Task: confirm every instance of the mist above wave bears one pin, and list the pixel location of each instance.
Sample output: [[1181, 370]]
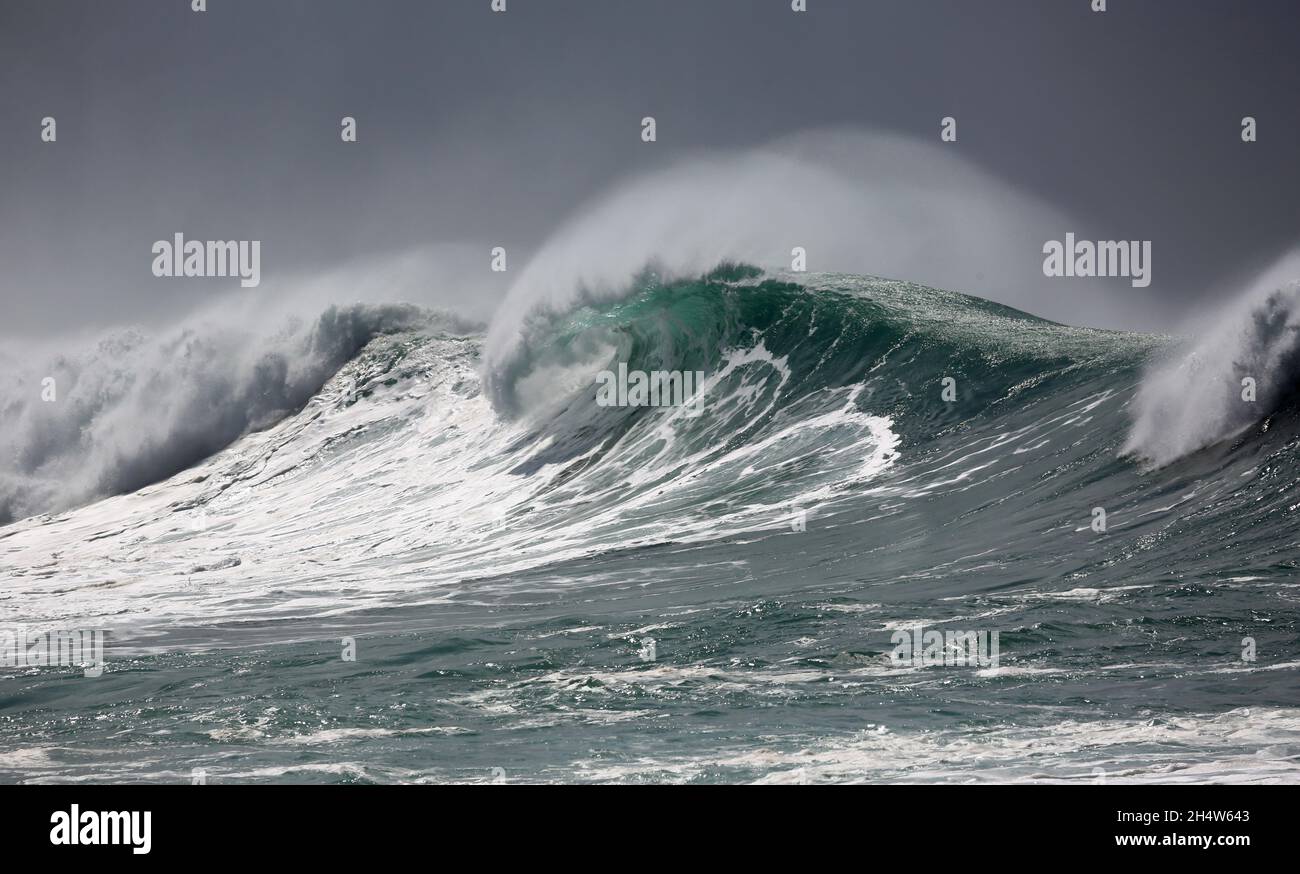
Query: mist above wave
[[1243, 364], [856, 201]]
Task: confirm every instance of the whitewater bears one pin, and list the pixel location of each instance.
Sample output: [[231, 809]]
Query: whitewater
[[503, 552]]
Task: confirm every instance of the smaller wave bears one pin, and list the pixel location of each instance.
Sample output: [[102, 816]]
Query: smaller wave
[[1202, 394], [135, 409]]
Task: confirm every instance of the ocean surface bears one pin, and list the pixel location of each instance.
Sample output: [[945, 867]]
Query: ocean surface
[[414, 567]]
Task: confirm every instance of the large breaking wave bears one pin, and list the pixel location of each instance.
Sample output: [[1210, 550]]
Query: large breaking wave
[[136, 408]]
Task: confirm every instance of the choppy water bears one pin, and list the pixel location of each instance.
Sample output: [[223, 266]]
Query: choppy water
[[503, 552]]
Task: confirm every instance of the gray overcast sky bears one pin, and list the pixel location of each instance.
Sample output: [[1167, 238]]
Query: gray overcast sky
[[477, 126]]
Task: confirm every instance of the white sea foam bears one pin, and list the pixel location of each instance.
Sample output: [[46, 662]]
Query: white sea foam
[[1249, 747], [379, 493]]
